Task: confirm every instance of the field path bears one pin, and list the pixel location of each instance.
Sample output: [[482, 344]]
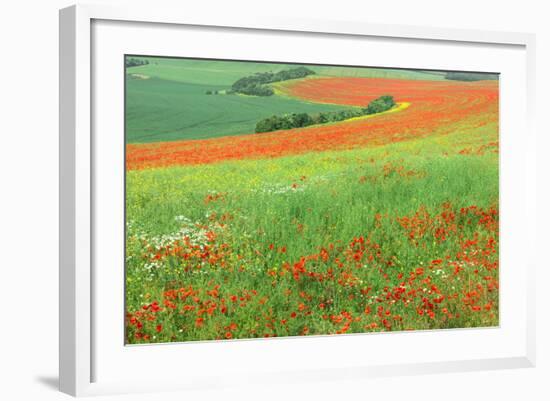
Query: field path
[[435, 107]]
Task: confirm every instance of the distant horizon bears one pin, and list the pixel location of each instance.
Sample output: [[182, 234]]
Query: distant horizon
[[295, 63]]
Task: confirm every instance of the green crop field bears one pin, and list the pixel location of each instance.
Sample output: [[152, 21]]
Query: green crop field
[[161, 110]]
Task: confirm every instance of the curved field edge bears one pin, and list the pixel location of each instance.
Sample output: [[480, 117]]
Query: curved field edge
[[166, 99]]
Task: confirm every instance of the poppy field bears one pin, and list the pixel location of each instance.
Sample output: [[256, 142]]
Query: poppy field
[[384, 222]]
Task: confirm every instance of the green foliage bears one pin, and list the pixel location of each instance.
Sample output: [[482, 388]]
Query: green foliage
[[255, 85], [470, 76], [254, 90], [134, 62], [379, 105], [286, 121], [300, 120]]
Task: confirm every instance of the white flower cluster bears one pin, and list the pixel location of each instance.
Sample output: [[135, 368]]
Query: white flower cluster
[[193, 232], [189, 229], [441, 272], [282, 189]]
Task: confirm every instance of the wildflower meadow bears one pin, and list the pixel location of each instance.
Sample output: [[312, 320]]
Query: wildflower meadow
[[387, 221]]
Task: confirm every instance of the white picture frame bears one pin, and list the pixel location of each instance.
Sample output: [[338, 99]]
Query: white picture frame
[[78, 163]]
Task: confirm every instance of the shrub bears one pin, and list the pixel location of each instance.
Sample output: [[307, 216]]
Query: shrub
[[299, 120], [379, 105]]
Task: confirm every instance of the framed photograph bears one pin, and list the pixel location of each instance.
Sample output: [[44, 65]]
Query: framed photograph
[[271, 200]]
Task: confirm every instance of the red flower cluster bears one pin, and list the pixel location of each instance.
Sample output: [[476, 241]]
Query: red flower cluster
[[342, 288]]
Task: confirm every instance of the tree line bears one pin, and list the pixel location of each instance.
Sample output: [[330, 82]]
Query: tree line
[[255, 84], [134, 62], [470, 76], [300, 120]]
